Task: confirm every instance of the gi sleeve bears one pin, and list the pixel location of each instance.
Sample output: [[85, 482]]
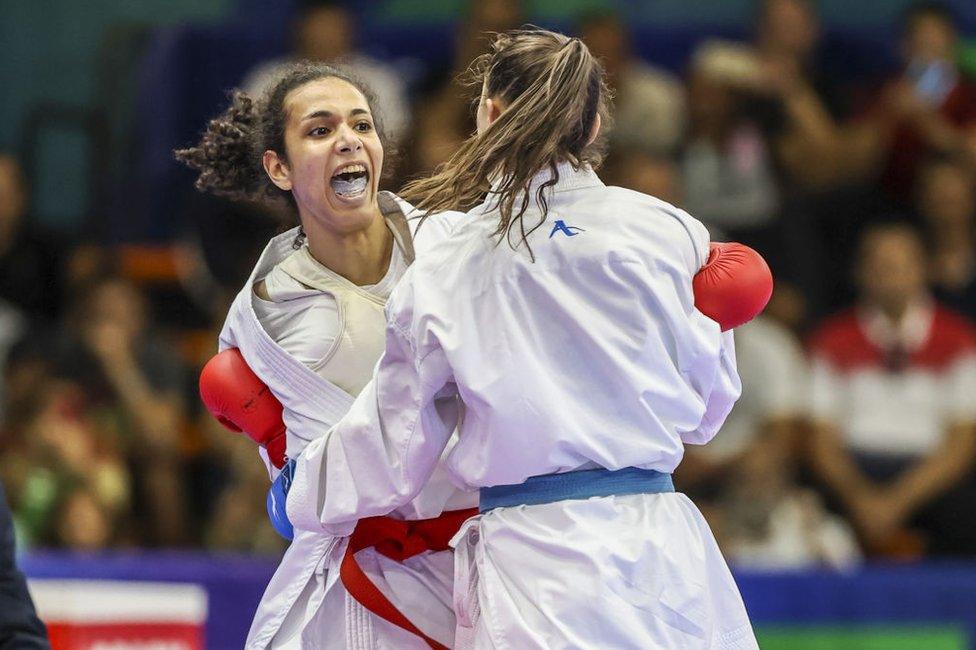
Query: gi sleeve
[[720, 397], [382, 452], [714, 376]]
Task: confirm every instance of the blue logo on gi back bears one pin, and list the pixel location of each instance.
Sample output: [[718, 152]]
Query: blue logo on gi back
[[569, 231]]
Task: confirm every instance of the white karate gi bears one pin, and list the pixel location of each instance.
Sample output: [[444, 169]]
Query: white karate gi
[[592, 356], [305, 603]]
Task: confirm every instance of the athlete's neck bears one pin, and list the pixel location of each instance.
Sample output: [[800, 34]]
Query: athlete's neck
[[362, 257]]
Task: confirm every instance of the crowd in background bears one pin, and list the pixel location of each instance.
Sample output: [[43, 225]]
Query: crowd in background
[[856, 432]]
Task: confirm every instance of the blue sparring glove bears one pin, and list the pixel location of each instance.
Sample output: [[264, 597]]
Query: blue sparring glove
[[277, 497]]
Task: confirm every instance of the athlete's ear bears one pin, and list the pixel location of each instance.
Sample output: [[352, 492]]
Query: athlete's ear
[[493, 109], [595, 131], [277, 170]]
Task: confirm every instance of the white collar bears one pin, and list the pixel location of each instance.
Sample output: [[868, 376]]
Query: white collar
[[570, 178], [912, 332]]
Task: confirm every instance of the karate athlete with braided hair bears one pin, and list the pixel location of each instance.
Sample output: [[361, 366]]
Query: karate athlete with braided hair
[[310, 324], [561, 313]]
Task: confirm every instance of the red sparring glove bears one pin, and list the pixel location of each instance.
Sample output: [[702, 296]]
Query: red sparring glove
[[734, 285], [242, 402]]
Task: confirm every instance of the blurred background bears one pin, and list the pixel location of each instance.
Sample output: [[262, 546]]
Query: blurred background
[[837, 138]]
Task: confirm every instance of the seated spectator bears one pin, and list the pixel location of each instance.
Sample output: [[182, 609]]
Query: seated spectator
[[766, 417], [134, 381], [13, 326], [727, 163], [646, 172], [477, 22], [798, 104], [770, 113], [326, 31], [771, 523], [892, 389], [649, 102], [61, 464], [443, 115], [239, 518], [745, 477], [762, 146], [929, 109], [82, 523], [946, 202], [30, 256]]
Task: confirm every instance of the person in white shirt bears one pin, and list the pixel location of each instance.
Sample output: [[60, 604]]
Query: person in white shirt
[[747, 476], [326, 32], [310, 323], [556, 328], [773, 371]]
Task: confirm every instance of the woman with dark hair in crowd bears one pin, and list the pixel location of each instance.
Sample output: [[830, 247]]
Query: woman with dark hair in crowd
[[582, 368], [310, 323]]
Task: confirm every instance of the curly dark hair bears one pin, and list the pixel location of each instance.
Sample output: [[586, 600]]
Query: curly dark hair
[[229, 154]]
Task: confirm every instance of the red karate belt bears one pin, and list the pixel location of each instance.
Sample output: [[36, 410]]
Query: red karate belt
[[398, 540]]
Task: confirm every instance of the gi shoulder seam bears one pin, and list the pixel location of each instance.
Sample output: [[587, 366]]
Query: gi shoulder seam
[[694, 245]]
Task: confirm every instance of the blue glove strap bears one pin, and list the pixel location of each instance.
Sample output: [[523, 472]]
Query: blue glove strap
[[277, 497]]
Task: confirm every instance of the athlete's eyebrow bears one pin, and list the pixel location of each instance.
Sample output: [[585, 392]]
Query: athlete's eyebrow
[[327, 114], [312, 116]]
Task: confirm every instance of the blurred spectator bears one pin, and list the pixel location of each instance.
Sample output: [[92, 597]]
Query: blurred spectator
[[929, 109], [478, 22], [745, 477], [642, 171], [12, 327], [746, 474], [61, 465], [326, 31], [869, 163], [82, 523], [133, 384], [799, 103], [239, 519], [727, 163], [443, 115], [769, 522], [217, 255], [762, 117], [226, 477], [788, 33], [30, 257], [649, 103], [892, 392], [946, 202], [766, 417], [763, 144], [27, 369]]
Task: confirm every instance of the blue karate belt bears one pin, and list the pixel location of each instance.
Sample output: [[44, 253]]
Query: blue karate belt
[[581, 484], [277, 497]]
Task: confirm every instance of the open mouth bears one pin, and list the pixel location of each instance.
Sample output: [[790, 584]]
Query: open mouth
[[350, 182]]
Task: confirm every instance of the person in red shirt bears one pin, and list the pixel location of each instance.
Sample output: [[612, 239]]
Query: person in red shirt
[[928, 109], [893, 382]]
